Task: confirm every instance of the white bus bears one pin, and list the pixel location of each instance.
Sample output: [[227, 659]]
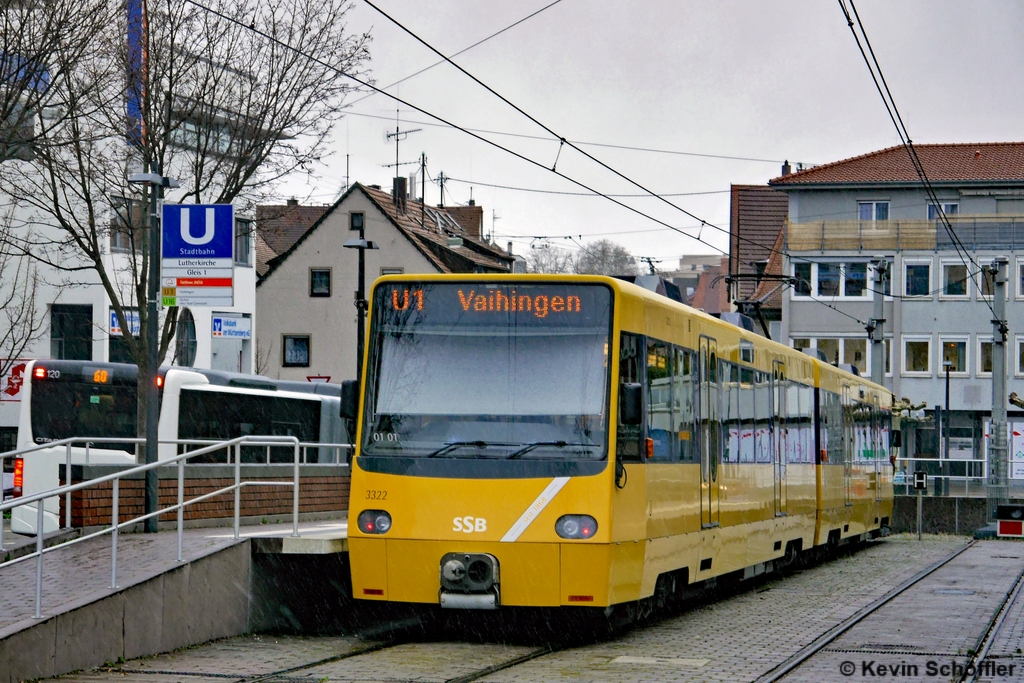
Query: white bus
[[63, 399]]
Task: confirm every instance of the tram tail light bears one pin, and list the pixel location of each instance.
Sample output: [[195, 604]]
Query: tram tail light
[[576, 526], [39, 373], [19, 477], [649, 448], [374, 521]]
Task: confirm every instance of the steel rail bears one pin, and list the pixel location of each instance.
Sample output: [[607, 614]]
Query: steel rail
[[981, 650], [818, 644]]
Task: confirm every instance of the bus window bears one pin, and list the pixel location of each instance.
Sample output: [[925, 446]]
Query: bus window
[[72, 404], [216, 415]]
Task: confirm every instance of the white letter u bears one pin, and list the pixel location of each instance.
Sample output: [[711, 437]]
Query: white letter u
[[207, 233]]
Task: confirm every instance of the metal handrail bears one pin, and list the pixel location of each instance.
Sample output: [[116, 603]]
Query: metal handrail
[[115, 478]]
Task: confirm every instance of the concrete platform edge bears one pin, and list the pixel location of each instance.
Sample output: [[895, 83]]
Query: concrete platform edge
[[194, 603]]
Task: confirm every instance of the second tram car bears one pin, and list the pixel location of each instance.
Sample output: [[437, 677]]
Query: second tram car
[[580, 441]]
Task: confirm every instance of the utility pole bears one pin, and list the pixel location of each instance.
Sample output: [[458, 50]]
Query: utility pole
[[423, 182], [997, 463], [440, 181], [154, 183], [876, 325]]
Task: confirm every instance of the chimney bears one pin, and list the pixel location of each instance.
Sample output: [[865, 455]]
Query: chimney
[[292, 202], [786, 168], [509, 248], [400, 193], [472, 202]]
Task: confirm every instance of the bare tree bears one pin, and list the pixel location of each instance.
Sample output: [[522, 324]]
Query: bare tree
[[546, 258], [605, 257], [221, 104], [263, 353], [21, 324]]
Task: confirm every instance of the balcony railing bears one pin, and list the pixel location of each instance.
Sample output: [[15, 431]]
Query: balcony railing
[[975, 232]]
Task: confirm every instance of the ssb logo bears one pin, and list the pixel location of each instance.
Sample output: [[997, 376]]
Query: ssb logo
[[468, 525]]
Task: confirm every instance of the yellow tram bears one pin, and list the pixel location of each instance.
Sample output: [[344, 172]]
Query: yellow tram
[[547, 441]]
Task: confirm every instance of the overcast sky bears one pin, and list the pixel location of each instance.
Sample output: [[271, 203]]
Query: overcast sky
[[762, 80]]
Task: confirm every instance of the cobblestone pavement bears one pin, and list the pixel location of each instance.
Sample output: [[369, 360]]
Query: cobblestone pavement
[[734, 639], [79, 574], [936, 623]]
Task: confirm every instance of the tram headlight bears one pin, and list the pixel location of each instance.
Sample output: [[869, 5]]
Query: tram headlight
[[374, 521], [576, 526]]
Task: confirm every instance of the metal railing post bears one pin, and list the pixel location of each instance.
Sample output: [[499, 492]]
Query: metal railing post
[[88, 444], [115, 519], [181, 504], [295, 494], [39, 559], [67, 482], [238, 485]]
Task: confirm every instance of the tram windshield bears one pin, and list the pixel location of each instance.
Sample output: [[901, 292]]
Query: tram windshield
[[485, 370]]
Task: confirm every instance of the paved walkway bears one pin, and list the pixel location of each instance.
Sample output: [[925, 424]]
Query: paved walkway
[[79, 574]]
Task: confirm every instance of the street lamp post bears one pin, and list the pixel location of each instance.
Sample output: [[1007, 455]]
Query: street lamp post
[[362, 245], [947, 365], [154, 182]]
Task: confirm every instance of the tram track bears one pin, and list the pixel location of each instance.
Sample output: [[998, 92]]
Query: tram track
[[804, 654], [992, 631]]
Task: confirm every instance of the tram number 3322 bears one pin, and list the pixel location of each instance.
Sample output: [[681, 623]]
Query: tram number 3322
[[468, 525]]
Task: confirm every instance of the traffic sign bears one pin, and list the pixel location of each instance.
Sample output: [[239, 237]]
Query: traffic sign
[[197, 265], [920, 481]]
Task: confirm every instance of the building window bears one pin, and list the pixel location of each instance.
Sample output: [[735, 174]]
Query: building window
[[392, 271], [917, 355], [988, 283], [296, 351], [1020, 278], [954, 280], [852, 351], [356, 221], [831, 279], [802, 272], [917, 278], [1020, 356], [855, 280], [185, 341], [950, 209], [873, 211], [127, 218], [954, 350], [985, 355], [888, 357], [70, 332], [243, 241], [319, 281]]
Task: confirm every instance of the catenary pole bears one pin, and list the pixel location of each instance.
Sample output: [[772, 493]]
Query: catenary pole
[[877, 323], [997, 464]]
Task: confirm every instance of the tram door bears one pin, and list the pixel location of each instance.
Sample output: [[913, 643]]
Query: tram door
[[710, 431], [780, 434]]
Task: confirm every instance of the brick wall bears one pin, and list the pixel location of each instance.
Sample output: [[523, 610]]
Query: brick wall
[[323, 491]]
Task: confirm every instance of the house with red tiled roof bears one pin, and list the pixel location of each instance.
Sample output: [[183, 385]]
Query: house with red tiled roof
[[305, 292], [936, 237], [757, 219]]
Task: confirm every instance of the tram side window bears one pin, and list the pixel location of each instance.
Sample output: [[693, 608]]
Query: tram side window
[[747, 397], [683, 401], [659, 399], [832, 427], [807, 424], [762, 418], [729, 380], [631, 360]]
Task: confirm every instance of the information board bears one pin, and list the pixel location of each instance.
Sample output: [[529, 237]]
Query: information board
[[197, 264]]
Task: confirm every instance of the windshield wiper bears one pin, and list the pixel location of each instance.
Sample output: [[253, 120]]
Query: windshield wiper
[[537, 444], [447, 448]]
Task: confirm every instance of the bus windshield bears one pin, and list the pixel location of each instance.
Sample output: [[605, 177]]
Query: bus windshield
[[485, 370], [85, 401]]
